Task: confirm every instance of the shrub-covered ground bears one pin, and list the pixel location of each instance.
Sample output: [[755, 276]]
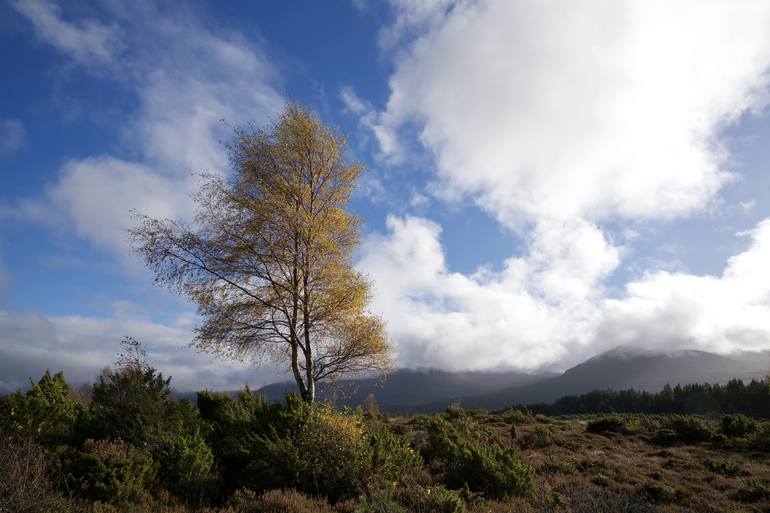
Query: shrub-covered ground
[[127, 446]]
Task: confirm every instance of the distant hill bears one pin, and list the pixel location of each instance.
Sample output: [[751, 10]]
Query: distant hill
[[407, 389], [618, 369], [623, 368]]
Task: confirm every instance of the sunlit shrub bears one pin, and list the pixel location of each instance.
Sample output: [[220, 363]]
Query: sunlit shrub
[[184, 459], [47, 412], [108, 471], [469, 454]]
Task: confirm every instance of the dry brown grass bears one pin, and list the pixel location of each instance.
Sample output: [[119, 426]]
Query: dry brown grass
[[582, 472]]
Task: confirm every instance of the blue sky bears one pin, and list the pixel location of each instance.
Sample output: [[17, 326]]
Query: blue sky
[[544, 180]]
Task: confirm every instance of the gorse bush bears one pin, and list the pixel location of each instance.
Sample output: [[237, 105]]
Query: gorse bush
[[47, 412], [469, 455], [184, 459], [689, 429], [737, 425], [315, 450], [606, 425], [108, 471]]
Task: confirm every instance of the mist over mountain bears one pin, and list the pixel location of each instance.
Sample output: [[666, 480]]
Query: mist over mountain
[[619, 368], [409, 388]]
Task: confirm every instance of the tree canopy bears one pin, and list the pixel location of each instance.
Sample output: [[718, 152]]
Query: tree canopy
[[268, 258]]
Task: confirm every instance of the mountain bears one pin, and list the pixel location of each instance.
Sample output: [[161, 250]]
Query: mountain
[[623, 368], [406, 389], [620, 368]]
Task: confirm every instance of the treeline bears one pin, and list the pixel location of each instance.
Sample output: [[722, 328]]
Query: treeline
[[733, 397]]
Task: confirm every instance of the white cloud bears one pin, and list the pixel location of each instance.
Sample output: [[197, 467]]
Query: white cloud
[[549, 306], [557, 118], [555, 110], [81, 346], [523, 316], [369, 119], [199, 79], [95, 195], [86, 41], [716, 313], [12, 136]]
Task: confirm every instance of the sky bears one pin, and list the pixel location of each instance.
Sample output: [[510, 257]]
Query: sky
[[545, 180]]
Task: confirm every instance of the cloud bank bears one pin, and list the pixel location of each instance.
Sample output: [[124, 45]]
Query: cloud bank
[[558, 118]]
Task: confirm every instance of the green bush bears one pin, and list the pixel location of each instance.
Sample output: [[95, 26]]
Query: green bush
[[430, 499], [108, 471], [276, 501], [516, 416], [760, 439], [468, 454], [47, 412], [689, 429], [541, 437], [737, 425], [314, 450], [184, 459], [606, 425], [724, 467]]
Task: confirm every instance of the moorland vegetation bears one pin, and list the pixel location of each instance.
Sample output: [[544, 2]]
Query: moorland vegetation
[[125, 444]]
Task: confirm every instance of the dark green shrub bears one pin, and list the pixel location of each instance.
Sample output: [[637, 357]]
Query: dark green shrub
[[276, 501], [184, 459], [760, 439], [516, 416], [689, 429], [513, 431], [468, 454], [108, 471], [390, 458], [133, 403], [429, 499], [724, 467], [606, 425], [737, 425]]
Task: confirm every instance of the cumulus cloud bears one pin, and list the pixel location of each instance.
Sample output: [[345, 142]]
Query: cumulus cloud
[[562, 109], [184, 93], [723, 313], [558, 119], [522, 316], [549, 306], [81, 346]]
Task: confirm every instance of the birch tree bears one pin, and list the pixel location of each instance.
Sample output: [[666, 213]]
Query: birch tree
[[268, 257]]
